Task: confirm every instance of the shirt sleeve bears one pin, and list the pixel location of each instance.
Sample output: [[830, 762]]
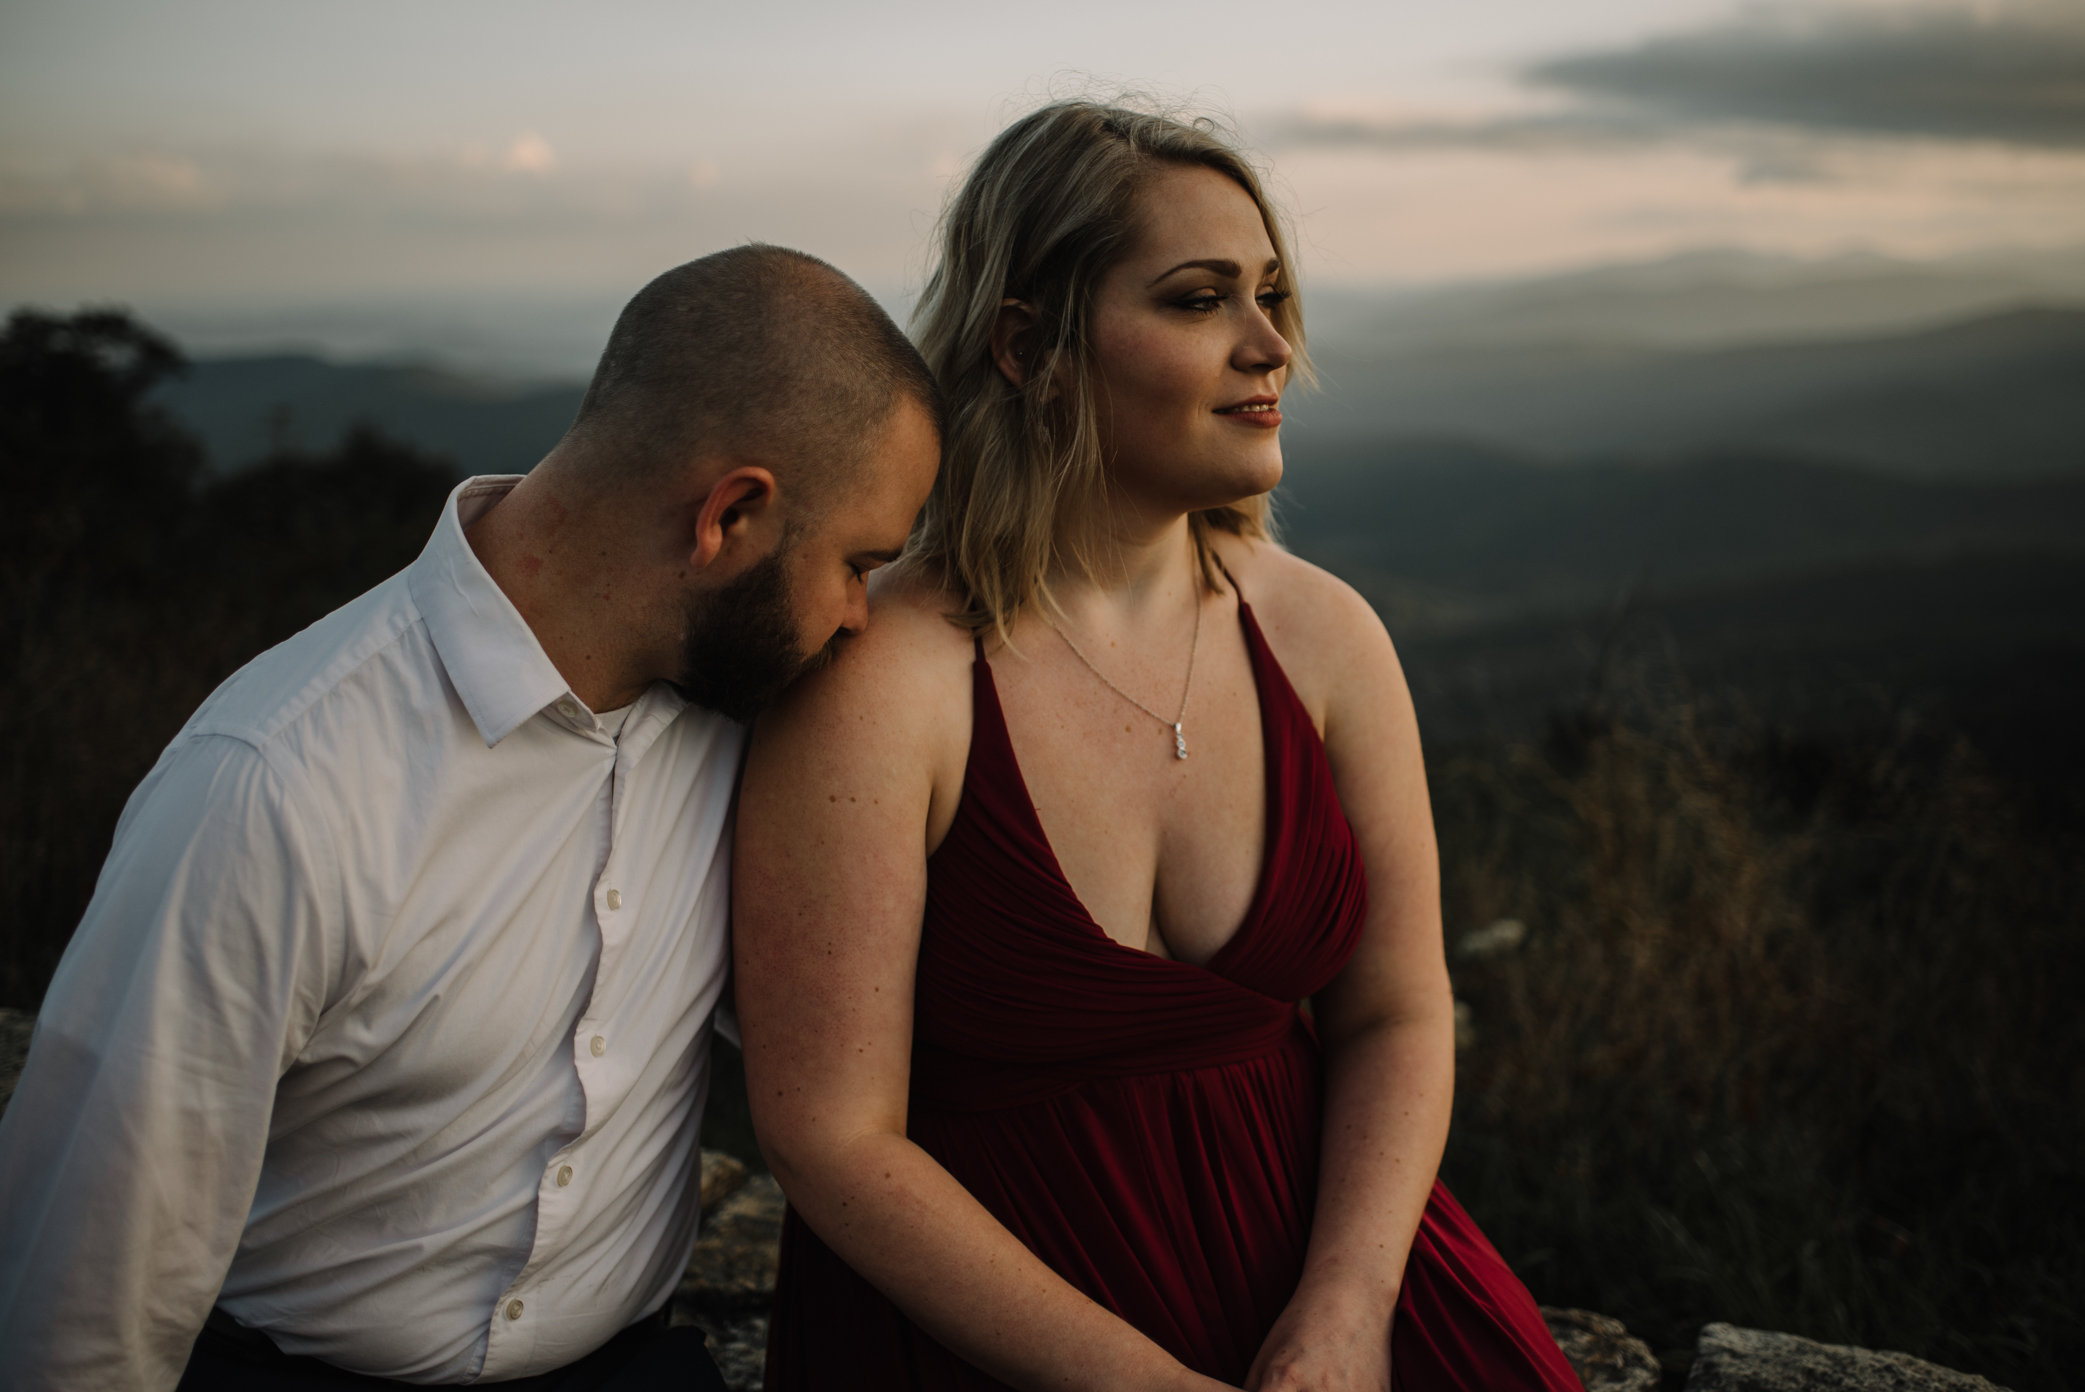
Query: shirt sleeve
[[131, 1149]]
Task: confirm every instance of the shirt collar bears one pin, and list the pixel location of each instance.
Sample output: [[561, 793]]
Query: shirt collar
[[493, 659]]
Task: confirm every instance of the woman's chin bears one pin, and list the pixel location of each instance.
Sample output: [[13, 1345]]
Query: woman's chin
[[1196, 485], [1248, 478]]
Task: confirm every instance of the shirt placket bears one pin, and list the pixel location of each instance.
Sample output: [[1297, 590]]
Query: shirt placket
[[561, 1192]]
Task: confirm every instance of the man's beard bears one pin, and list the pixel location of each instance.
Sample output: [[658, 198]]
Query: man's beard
[[741, 650]]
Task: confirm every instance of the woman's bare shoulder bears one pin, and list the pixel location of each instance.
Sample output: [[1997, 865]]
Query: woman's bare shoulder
[[1302, 608], [886, 722], [1334, 649], [910, 612], [898, 680]]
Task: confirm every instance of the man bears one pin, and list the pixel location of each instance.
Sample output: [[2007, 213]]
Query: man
[[383, 1045]]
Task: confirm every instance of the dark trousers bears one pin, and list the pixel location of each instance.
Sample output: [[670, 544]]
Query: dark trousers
[[646, 1357]]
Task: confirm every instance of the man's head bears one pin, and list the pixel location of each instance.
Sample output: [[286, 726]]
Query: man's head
[[763, 420]]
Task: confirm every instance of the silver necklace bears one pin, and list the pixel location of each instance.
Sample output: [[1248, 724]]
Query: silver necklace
[[1195, 646]]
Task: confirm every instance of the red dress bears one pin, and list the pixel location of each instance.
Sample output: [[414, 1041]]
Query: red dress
[[1149, 1128]]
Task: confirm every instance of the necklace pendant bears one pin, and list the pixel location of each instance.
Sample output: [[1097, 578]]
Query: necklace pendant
[[1179, 742]]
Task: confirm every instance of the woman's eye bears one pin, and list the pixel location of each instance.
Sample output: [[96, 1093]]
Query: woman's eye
[[1202, 304], [1270, 298]]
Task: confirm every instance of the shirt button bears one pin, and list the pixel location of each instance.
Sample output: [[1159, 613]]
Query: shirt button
[[599, 1046], [564, 1175], [514, 1309], [568, 710], [615, 898]]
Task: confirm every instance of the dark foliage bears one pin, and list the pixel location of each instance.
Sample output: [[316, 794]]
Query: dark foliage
[[132, 583], [90, 474], [1791, 1039]]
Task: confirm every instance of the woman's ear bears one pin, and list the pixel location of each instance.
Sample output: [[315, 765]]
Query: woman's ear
[[1013, 341]]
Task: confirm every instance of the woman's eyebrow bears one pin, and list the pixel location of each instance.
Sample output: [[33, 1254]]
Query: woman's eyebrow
[[1228, 269]]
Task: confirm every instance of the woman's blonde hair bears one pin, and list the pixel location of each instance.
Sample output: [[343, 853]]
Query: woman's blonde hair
[[1048, 210]]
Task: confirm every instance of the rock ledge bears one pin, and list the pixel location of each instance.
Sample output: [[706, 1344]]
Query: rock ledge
[[1730, 1359], [1602, 1352]]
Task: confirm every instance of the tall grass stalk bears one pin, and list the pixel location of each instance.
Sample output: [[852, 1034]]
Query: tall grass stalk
[[1793, 1039]]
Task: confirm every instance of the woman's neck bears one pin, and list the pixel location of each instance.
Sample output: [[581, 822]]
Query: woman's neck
[[1131, 564]]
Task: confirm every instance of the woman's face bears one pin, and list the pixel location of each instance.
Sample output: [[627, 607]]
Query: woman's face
[[1188, 366]]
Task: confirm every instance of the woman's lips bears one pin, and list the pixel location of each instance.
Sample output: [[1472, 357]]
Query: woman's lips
[[1265, 415]]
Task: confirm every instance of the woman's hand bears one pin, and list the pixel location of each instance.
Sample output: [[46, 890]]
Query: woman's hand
[[1326, 1341]]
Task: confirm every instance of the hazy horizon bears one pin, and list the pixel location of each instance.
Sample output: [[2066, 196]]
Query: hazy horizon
[[1688, 299], [490, 182]]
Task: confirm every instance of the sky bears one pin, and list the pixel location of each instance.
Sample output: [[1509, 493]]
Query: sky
[[280, 162]]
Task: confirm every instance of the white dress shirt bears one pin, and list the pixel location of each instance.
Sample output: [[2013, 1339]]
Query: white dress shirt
[[388, 1026]]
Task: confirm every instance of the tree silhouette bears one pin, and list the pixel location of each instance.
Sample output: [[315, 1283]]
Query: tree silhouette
[[133, 581]]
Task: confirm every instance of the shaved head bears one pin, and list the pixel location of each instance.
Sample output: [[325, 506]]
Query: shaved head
[[760, 353]]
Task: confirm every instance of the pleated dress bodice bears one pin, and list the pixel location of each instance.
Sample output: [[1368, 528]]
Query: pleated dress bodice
[[1148, 1127]]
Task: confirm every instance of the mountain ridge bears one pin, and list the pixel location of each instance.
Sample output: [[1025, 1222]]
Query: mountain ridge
[[1994, 395], [248, 407]]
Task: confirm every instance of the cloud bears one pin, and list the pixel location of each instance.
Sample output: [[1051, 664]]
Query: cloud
[[254, 224], [2013, 73], [150, 182], [1759, 86], [1532, 134]]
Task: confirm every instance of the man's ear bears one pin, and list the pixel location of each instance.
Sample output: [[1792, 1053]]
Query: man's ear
[[734, 503], [1013, 341]]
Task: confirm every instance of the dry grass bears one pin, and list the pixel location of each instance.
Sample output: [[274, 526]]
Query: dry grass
[[1792, 1040]]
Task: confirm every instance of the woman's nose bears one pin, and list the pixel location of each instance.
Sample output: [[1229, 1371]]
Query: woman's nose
[[1264, 349]]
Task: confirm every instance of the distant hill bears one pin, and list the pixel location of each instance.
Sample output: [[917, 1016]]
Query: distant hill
[[1445, 535], [1704, 299], [2000, 396], [1997, 396], [243, 407], [1805, 589], [1991, 644]]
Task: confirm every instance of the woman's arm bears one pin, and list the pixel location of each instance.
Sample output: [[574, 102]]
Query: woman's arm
[[1386, 1023], [847, 783]]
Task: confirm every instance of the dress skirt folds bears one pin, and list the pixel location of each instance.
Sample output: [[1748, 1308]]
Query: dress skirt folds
[[1148, 1127]]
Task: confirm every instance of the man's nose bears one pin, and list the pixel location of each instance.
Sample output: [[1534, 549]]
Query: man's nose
[[857, 616]]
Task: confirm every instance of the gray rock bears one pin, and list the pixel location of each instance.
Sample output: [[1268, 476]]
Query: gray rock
[[721, 1176], [1602, 1352], [1729, 1359], [738, 1344], [730, 1279], [15, 1028], [733, 1269]]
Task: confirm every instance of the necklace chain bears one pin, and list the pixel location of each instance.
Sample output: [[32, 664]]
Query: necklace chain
[[1194, 646]]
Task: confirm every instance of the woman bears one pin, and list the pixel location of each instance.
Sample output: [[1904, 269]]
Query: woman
[[1033, 881]]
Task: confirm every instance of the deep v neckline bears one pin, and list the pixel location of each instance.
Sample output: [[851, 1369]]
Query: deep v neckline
[[1259, 655]]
